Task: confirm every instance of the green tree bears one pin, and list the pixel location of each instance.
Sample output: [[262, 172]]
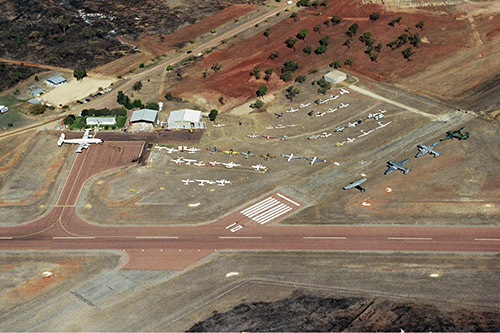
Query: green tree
[[415, 40], [137, 103], [378, 48], [307, 49], [324, 41], [374, 16], [274, 55], [407, 53], [152, 106], [317, 27], [352, 30], [374, 57], [321, 49], [303, 3], [261, 91], [89, 33], [169, 96], [290, 42], [141, 65], [63, 24], [69, 119], [302, 34], [323, 85], [369, 50], [336, 19], [294, 15], [347, 43], [79, 73], [286, 76], [137, 86], [216, 67], [291, 92], [348, 62], [420, 25], [170, 67], [255, 72], [394, 21], [300, 79], [290, 65], [37, 78], [268, 72], [257, 105], [266, 33], [335, 64], [213, 114]]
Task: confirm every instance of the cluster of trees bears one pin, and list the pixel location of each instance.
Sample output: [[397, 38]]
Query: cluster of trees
[[274, 55], [124, 100], [323, 85], [288, 68], [352, 30], [374, 16], [313, 3], [394, 21], [291, 92], [261, 91], [259, 105]]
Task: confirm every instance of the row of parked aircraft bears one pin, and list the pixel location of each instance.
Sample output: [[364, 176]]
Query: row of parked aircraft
[[186, 161], [202, 182], [292, 156], [190, 150]]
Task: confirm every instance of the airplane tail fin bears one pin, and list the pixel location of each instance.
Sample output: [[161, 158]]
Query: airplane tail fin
[[61, 139], [406, 171], [437, 153]]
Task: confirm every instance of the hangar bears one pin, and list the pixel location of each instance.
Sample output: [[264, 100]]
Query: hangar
[[185, 119], [55, 80], [335, 76], [144, 116]]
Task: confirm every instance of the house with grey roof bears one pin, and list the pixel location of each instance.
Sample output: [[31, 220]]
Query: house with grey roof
[[185, 119]]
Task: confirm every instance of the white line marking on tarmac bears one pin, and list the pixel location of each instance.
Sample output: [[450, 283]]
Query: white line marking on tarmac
[[325, 237], [240, 237], [255, 205], [73, 237], [409, 238], [274, 215], [156, 237], [282, 196], [263, 208], [5, 237], [229, 226], [488, 239], [260, 207], [269, 212]]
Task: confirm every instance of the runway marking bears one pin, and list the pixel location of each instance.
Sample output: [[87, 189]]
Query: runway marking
[[156, 237], [282, 196], [240, 237], [5, 237], [229, 226], [73, 237], [273, 215], [409, 238], [320, 237], [259, 204], [488, 239]]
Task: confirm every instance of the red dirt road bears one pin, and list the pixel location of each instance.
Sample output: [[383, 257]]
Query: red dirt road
[[178, 247]]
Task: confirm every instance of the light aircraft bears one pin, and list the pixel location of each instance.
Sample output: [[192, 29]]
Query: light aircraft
[[269, 127], [314, 159], [325, 135], [331, 110], [284, 137], [342, 105], [279, 126], [291, 110], [397, 166], [178, 160], [202, 181], [279, 115], [230, 152], [343, 91], [181, 148], [423, 149], [192, 150], [214, 163], [323, 101], [219, 125], [340, 144], [214, 150], [313, 137], [356, 184], [253, 135], [222, 182], [304, 105], [340, 129], [171, 150], [200, 163], [352, 124], [292, 125], [188, 161], [349, 140], [83, 143], [334, 97], [230, 165], [365, 133], [320, 114], [456, 135], [259, 167], [268, 137], [267, 156], [290, 157], [210, 182], [382, 125], [187, 181], [247, 154]]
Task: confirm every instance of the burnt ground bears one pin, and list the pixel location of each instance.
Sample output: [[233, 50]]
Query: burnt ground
[[83, 33], [10, 75], [308, 313]]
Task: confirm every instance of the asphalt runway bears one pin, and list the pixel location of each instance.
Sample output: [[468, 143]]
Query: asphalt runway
[[178, 247]]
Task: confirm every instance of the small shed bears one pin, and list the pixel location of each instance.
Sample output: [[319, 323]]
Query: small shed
[[185, 119], [36, 92], [144, 116], [335, 76], [55, 80], [101, 121]]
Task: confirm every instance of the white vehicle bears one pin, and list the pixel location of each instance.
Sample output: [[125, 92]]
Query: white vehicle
[[192, 150], [331, 110], [292, 110], [343, 91], [222, 182], [202, 181], [83, 143], [230, 165], [253, 135], [290, 157], [320, 114], [179, 160], [365, 133], [259, 167], [314, 159], [382, 125], [200, 163], [188, 161], [325, 135], [187, 181], [342, 105], [219, 125], [313, 137], [349, 140], [214, 163], [302, 106]]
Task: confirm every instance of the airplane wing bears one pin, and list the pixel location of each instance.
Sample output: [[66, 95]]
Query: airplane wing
[[403, 161], [420, 153], [86, 134], [389, 170], [434, 145], [80, 147]]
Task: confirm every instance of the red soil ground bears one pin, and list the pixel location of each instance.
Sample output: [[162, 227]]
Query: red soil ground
[[446, 34]]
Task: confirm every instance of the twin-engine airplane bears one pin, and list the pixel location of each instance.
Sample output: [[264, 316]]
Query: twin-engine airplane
[[397, 166], [423, 149], [83, 143]]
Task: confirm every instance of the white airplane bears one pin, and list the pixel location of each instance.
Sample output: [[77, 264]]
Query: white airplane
[[181, 148], [290, 157], [292, 125], [230, 165], [253, 135], [349, 140], [219, 125], [342, 105], [269, 127], [343, 91], [323, 101], [331, 110], [291, 110], [202, 181], [222, 182], [83, 143], [160, 147], [320, 114], [325, 135], [187, 181], [334, 97], [188, 161], [313, 137], [170, 150], [365, 133], [178, 160], [200, 163], [210, 182], [279, 126], [314, 159], [352, 124], [304, 105], [259, 167], [192, 150], [214, 163], [383, 125]]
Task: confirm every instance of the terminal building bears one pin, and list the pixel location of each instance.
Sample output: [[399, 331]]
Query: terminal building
[[55, 80], [335, 76], [144, 116], [185, 119]]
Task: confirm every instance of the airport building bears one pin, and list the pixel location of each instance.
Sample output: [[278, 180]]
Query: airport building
[[335, 76], [101, 121], [185, 119], [55, 80], [144, 116]]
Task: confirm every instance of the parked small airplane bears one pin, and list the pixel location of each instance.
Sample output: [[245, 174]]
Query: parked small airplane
[[280, 127], [229, 152], [214, 163], [200, 163], [397, 166], [83, 143], [340, 144], [313, 137], [268, 137], [230, 165], [334, 97], [292, 125], [171, 150], [179, 160], [325, 135], [343, 91], [259, 167], [356, 184], [423, 149], [214, 150], [290, 157], [291, 110], [188, 161], [253, 135], [349, 140], [247, 154], [365, 133], [352, 124], [304, 105], [267, 156], [456, 135], [342, 105], [210, 182], [331, 110], [279, 115], [222, 182], [320, 114], [187, 181], [323, 101], [269, 127], [383, 125], [202, 181], [314, 159], [191, 150], [284, 137], [219, 125]]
